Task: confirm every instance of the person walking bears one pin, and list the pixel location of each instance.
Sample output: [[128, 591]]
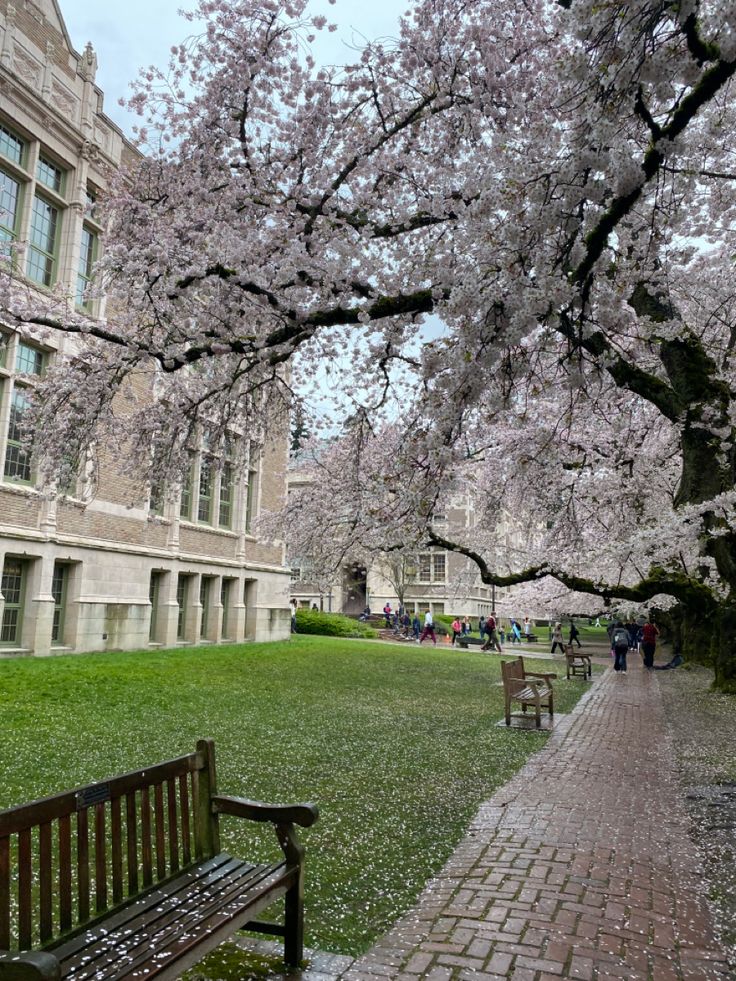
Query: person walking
[[527, 627], [481, 626], [406, 624], [292, 606], [492, 642], [467, 629], [649, 634], [428, 629], [574, 634], [457, 629], [557, 638], [620, 644], [416, 627]]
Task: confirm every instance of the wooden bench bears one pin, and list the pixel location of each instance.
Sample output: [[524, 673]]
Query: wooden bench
[[518, 687], [126, 878], [466, 640], [578, 663]]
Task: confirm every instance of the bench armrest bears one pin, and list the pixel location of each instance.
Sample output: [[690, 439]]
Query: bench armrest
[[30, 965], [539, 674], [301, 814]]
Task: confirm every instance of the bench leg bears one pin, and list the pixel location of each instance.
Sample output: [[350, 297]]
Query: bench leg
[[294, 922]]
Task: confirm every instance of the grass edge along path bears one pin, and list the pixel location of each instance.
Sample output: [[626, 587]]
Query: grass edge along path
[[396, 744]]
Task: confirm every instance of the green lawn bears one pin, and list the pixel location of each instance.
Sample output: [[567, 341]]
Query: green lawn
[[397, 745]]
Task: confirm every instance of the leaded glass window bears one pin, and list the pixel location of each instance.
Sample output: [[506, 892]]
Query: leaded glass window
[[10, 192], [226, 496], [29, 360], [87, 259], [58, 591], [13, 588], [12, 146], [42, 249], [50, 175], [204, 505], [17, 454]]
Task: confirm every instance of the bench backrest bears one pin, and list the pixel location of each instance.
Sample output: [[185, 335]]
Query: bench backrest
[[78, 854], [513, 670]]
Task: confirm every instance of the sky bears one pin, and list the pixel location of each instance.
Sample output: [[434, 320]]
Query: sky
[[132, 34]]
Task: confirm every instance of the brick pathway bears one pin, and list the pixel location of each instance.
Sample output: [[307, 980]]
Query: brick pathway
[[580, 867]]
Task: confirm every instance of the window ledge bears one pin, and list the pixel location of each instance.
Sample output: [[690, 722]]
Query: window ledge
[[225, 532], [26, 490]]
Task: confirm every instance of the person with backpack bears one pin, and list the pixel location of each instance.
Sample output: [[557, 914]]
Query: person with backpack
[[492, 642], [649, 634], [620, 644]]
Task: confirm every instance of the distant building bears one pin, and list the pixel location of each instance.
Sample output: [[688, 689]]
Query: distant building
[[88, 571], [433, 579]]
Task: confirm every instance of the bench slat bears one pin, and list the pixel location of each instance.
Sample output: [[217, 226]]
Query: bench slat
[[68, 949], [146, 847], [131, 836], [116, 850], [527, 695], [5, 893], [82, 867], [170, 918], [173, 831], [25, 880], [160, 836], [65, 873], [206, 933], [45, 898], [186, 926], [186, 832], [100, 860]]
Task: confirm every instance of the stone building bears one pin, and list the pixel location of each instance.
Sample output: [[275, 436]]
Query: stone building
[[103, 567], [431, 579]]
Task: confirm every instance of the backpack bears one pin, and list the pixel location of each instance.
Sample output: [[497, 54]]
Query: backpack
[[620, 637]]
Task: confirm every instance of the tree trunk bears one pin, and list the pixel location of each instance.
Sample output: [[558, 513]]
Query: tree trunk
[[724, 653]]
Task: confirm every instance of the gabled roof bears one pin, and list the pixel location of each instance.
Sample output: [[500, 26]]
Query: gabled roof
[[52, 13]]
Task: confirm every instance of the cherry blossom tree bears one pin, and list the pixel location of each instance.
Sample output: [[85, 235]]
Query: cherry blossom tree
[[359, 498], [553, 180]]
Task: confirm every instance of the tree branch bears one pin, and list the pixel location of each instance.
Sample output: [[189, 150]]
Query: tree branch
[[680, 586]]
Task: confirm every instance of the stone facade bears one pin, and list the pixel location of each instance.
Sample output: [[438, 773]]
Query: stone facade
[[102, 568]]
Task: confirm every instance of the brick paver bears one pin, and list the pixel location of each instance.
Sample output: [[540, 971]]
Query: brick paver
[[580, 867]]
